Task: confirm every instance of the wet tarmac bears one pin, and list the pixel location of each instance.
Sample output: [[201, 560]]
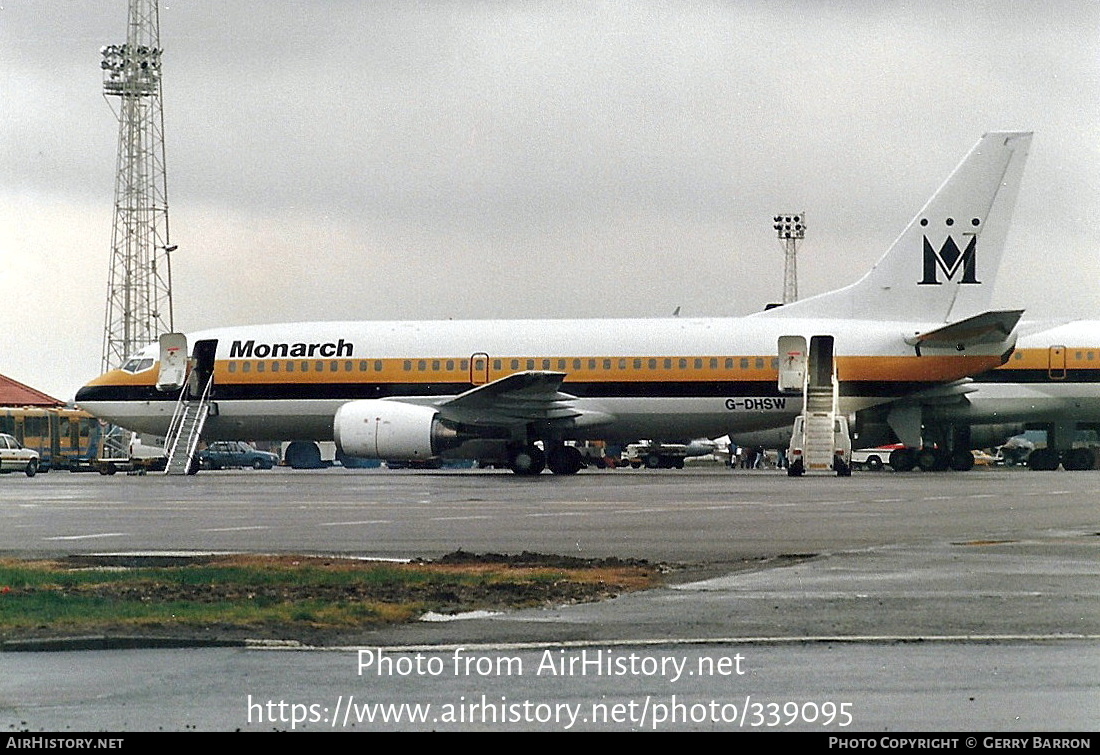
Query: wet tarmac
[[953, 602]]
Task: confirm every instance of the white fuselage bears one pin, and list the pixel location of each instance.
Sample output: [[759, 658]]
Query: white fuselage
[[673, 378]]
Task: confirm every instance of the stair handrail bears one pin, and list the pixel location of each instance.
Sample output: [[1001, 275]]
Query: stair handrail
[[196, 429], [175, 428], [176, 425]]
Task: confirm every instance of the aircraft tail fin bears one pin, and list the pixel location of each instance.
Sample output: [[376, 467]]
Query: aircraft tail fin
[[944, 264]]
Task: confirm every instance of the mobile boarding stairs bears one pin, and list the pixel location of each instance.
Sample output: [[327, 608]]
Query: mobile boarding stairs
[[819, 439]]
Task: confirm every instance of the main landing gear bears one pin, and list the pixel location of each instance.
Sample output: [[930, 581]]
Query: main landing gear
[[531, 460], [1072, 460], [961, 460], [931, 459]]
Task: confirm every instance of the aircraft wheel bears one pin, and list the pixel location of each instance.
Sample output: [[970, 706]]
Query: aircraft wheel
[[576, 460], [962, 460], [903, 459], [304, 454], [529, 460], [928, 459], [1079, 459], [555, 459], [564, 460], [1043, 460]]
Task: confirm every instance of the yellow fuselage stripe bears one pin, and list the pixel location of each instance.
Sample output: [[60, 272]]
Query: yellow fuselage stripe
[[588, 369]]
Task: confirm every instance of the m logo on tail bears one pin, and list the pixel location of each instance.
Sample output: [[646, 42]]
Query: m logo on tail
[[950, 260]]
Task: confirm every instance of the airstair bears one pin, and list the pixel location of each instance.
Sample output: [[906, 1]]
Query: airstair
[[819, 440], [819, 411], [186, 428]]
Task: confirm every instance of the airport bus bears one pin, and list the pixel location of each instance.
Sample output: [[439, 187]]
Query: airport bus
[[64, 438]]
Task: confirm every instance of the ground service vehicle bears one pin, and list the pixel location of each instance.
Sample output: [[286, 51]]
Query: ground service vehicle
[[874, 459], [63, 438], [141, 454]]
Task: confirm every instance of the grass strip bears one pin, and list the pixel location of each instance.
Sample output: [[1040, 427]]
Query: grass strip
[[287, 595]]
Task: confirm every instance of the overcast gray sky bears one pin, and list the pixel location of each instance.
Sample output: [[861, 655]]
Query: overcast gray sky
[[400, 160]]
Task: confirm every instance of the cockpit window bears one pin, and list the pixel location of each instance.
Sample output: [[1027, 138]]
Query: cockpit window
[[137, 364]]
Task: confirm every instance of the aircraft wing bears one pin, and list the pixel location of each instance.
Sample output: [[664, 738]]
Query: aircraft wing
[[531, 396], [988, 327]]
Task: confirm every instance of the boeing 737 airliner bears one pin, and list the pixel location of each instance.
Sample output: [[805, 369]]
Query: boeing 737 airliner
[[517, 390]]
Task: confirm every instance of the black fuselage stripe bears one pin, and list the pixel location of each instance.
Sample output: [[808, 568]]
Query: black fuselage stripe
[[1056, 376], [591, 390]]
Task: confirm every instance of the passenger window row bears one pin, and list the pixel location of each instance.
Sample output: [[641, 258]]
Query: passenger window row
[[306, 365], [462, 365], [593, 364]]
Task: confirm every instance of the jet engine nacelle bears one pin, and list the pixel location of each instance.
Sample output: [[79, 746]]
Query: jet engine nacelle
[[376, 429]]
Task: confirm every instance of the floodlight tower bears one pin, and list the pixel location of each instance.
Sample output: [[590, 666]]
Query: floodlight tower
[[791, 229], [139, 290]]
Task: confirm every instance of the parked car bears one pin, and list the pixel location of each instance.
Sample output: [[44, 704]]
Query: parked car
[[235, 453], [874, 459], [15, 458]]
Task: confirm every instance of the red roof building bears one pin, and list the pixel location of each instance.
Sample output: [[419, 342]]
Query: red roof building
[[14, 393]]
